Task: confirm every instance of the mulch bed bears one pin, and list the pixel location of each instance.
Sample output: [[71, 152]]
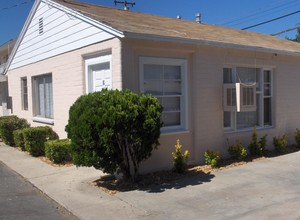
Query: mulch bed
[[112, 186]]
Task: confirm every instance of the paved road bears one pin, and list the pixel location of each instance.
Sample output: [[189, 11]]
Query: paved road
[[21, 200]]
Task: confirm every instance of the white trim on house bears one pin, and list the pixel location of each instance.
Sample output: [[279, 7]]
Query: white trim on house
[[93, 62], [208, 43], [183, 125], [64, 30]]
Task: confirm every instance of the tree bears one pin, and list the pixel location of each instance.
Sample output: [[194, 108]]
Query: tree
[[114, 131], [297, 37]]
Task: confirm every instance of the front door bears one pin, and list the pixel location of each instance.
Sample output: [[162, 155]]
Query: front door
[[99, 73]]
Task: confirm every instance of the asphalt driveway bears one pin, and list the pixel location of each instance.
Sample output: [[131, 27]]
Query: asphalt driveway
[[266, 189]]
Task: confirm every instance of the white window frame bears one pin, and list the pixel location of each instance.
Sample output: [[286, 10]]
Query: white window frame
[[89, 63], [24, 94], [48, 119], [183, 126], [260, 109]]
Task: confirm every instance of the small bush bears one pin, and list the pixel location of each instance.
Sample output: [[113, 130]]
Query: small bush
[[19, 139], [297, 137], [212, 158], [280, 143], [35, 138], [8, 124], [180, 159], [58, 151], [257, 147], [237, 151]]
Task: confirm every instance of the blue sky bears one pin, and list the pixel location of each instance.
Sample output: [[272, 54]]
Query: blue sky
[[230, 13]]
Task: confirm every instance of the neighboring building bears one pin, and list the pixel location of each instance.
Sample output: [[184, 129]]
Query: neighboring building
[[5, 51], [67, 49]]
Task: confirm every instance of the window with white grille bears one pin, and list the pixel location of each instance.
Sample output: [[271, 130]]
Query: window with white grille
[[247, 98], [165, 79]]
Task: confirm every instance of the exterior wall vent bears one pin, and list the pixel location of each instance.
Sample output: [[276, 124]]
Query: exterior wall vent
[[41, 25]]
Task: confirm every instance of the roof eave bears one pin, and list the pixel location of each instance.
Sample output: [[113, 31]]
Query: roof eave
[[208, 43]]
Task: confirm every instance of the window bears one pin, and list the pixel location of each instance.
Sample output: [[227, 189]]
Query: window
[[165, 79], [98, 73], [24, 93], [257, 92], [43, 96]]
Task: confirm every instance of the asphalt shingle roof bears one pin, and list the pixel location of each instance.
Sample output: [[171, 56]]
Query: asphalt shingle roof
[[130, 22]]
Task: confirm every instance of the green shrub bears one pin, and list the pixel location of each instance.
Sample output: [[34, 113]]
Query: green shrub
[[280, 143], [19, 139], [35, 138], [237, 150], [297, 137], [8, 124], [257, 147], [114, 130], [179, 158], [58, 151], [212, 158]]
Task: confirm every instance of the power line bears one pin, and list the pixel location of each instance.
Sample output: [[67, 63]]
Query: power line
[[287, 30], [16, 5], [274, 19], [244, 19]]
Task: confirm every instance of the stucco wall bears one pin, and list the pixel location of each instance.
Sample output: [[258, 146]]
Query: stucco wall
[[205, 95], [68, 79], [204, 83]]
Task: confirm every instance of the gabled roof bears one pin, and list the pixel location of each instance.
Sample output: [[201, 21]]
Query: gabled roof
[[146, 26]]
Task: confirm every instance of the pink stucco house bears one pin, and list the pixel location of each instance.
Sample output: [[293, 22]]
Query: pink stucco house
[[213, 82]]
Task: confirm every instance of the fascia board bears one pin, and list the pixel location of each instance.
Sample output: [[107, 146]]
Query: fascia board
[[21, 35], [208, 43], [85, 18]]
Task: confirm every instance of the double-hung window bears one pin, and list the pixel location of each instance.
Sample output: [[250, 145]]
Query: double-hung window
[[24, 93], [165, 79], [256, 98], [43, 96]]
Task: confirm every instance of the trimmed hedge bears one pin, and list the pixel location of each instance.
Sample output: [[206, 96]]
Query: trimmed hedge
[[35, 138], [9, 124], [19, 139], [58, 151]]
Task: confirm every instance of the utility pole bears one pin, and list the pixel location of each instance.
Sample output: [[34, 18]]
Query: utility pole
[[125, 4]]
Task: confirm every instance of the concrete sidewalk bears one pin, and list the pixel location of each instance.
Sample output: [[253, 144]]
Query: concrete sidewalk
[[267, 189]]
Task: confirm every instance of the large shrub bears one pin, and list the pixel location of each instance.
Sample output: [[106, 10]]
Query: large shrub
[[19, 139], [35, 138], [8, 124], [114, 130], [58, 151]]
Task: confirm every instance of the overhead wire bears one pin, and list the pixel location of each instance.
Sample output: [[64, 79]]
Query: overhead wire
[[16, 5], [271, 20], [260, 14]]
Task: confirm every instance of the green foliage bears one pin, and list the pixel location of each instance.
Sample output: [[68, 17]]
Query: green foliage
[[297, 37], [297, 137], [180, 159], [8, 124], [114, 130], [212, 158], [35, 138], [280, 143], [237, 150], [257, 147], [58, 151], [19, 139]]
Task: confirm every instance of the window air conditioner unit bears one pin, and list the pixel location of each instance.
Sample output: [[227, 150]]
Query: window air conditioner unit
[[239, 97]]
